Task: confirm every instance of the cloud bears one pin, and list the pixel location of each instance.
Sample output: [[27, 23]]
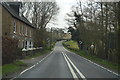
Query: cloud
[[65, 7]]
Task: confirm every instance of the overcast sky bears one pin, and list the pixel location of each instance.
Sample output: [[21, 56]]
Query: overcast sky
[[65, 7]]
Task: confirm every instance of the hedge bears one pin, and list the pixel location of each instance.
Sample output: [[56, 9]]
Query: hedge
[[10, 50]]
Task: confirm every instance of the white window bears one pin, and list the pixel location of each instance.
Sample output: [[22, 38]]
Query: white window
[[26, 43], [31, 44], [14, 26]]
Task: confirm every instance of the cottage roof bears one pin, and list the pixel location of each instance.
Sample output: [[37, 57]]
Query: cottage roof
[[15, 15]]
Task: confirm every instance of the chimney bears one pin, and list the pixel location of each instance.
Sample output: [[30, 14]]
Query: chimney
[[15, 6]]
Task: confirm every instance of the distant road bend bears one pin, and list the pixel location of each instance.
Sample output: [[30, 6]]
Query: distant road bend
[[61, 63]]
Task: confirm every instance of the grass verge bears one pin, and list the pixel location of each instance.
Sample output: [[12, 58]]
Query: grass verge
[[105, 63], [37, 54], [19, 65], [12, 67]]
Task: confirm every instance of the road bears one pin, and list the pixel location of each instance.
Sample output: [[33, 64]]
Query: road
[[61, 63]]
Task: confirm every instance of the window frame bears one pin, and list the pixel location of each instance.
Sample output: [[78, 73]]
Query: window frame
[[14, 27], [26, 31], [30, 33]]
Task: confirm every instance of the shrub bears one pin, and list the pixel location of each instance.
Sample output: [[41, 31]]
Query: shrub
[[9, 49], [19, 53]]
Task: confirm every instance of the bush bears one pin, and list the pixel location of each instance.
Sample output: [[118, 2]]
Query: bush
[[19, 53], [9, 49]]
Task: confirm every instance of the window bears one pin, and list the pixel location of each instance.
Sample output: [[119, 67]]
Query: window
[[30, 33], [25, 44], [26, 30], [22, 29], [30, 45], [14, 26], [19, 27]]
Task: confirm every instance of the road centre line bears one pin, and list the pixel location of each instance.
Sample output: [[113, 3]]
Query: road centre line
[[96, 64], [81, 75], [71, 69]]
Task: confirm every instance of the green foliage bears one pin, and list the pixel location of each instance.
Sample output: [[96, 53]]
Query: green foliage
[[19, 53], [75, 33], [93, 58], [37, 54], [0, 71], [100, 27], [12, 67], [72, 45]]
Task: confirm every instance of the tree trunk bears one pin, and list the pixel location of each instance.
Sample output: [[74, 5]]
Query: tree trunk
[[106, 40], [102, 29], [119, 33]]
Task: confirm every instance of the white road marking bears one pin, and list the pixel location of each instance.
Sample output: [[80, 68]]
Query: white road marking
[[27, 69], [101, 66], [97, 64], [13, 78], [81, 75], [71, 70], [32, 66]]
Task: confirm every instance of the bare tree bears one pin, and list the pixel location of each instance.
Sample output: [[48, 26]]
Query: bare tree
[[100, 26], [40, 13]]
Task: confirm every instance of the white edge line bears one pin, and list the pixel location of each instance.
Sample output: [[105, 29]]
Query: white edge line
[[98, 65], [13, 78], [71, 70], [101, 66], [32, 66]]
